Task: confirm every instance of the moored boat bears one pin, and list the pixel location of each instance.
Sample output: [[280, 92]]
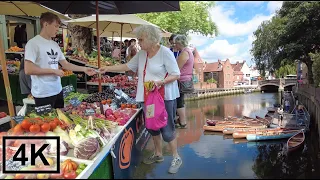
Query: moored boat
[[296, 141], [271, 135], [271, 109], [220, 128]]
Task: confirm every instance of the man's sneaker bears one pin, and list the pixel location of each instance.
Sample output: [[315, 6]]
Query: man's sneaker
[[152, 159], [175, 165]]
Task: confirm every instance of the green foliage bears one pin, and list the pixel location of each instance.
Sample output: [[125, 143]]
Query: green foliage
[[194, 16], [291, 34], [316, 68], [212, 80], [285, 69]]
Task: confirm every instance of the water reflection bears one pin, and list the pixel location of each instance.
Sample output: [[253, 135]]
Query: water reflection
[[214, 155]]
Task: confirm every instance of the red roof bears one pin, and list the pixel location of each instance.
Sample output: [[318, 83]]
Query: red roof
[[237, 66]]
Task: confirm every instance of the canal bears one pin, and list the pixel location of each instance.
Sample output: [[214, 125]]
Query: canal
[[214, 155]]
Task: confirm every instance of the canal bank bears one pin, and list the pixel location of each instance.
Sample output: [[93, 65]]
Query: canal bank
[[310, 97], [214, 155], [217, 92]]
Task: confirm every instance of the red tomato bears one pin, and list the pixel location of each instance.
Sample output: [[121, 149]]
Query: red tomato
[[53, 125], [45, 127], [34, 128], [71, 174], [26, 124]]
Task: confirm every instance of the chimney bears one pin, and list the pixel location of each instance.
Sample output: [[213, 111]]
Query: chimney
[[237, 63], [219, 60]]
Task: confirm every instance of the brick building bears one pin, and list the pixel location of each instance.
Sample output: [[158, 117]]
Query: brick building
[[221, 71]]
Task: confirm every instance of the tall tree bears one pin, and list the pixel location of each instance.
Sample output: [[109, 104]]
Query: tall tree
[[194, 16], [81, 37], [292, 34]]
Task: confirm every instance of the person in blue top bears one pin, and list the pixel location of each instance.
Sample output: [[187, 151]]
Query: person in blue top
[[173, 49]]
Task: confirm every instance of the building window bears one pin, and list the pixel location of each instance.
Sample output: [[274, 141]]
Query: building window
[[237, 77], [228, 67]]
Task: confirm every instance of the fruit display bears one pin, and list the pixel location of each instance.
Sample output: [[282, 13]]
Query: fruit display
[[121, 81], [105, 61], [121, 116], [67, 72], [13, 66], [99, 97], [15, 49], [69, 169], [3, 114]]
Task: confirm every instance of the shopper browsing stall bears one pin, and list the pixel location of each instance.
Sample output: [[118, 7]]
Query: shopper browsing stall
[[156, 61], [42, 56]]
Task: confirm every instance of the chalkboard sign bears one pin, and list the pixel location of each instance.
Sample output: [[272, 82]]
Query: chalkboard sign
[[67, 90], [18, 119], [89, 112], [40, 110], [74, 102]]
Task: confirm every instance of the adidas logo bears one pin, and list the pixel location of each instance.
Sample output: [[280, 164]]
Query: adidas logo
[[53, 55]]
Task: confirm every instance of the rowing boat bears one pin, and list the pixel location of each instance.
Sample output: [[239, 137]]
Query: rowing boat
[[272, 135], [220, 128], [296, 141]]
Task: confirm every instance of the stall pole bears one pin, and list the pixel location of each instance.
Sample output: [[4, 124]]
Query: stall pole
[[121, 43], [98, 43], [6, 82]]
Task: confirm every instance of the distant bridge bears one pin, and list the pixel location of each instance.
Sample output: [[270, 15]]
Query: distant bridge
[[281, 84]]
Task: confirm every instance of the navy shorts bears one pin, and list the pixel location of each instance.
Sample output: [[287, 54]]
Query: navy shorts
[[167, 132]]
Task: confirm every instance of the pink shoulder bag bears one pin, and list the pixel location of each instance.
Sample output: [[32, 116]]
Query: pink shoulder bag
[[155, 110]]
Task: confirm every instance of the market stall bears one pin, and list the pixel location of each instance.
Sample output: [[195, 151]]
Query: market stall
[[111, 120]]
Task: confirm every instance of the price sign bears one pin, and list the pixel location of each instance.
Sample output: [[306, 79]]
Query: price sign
[[67, 90], [18, 119], [40, 110], [74, 102], [89, 112], [111, 86]]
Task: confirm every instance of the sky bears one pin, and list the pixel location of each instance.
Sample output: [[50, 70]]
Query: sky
[[236, 21]]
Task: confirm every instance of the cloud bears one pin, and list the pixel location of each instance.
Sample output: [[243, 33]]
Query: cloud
[[274, 5], [229, 28], [223, 49], [251, 3], [198, 40]]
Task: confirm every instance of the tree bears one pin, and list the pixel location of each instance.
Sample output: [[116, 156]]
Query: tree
[[194, 16], [81, 37], [285, 69], [292, 34], [316, 68]]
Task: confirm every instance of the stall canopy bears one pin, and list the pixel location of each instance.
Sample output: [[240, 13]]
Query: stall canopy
[[118, 24], [26, 8], [111, 7]]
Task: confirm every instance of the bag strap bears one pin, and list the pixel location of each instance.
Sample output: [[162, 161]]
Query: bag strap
[[145, 66]]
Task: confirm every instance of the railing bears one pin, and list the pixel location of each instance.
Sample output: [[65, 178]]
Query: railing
[[273, 81], [290, 81]]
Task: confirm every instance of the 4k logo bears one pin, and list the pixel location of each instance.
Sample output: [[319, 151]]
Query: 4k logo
[[20, 155]]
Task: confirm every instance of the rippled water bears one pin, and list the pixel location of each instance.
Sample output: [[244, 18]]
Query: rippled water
[[214, 155]]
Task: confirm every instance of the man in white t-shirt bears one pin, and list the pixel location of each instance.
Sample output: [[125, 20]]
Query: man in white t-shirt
[[42, 56]]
